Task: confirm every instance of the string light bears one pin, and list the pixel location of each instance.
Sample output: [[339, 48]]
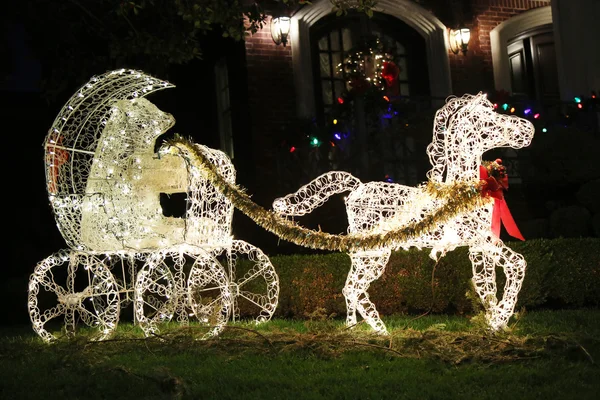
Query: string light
[[104, 182], [366, 64], [464, 129]]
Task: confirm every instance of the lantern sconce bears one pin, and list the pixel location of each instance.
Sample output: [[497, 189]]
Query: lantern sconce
[[459, 40], [280, 29]]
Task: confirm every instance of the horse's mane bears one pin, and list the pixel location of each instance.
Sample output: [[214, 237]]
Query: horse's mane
[[444, 119]]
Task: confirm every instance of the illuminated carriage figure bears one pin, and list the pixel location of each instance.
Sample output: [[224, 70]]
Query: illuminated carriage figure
[[464, 129], [104, 181]]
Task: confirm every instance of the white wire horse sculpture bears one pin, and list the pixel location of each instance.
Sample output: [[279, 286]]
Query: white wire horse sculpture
[[464, 129]]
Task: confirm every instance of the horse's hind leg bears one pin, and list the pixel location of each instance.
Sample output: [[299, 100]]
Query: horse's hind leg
[[366, 267], [485, 260], [484, 276]]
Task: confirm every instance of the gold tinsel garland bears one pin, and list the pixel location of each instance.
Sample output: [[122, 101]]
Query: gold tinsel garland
[[460, 197]]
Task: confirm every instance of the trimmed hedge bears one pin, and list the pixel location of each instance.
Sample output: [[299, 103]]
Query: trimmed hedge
[[561, 273]]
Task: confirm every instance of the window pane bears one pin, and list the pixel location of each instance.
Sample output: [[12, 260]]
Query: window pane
[[387, 41], [327, 92], [335, 40], [346, 39], [400, 48], [324, 61], [337, 60], [323, 43], [339, 89], [403, 76], [404, 90]]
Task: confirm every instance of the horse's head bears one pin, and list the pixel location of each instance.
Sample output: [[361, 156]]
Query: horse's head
[[464, 129], [490, 128]]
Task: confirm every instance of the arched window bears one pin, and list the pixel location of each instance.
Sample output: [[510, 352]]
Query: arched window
[[333, 37], [372, 142]]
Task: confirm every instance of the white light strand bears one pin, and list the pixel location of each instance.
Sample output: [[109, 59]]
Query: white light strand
[[104, 181], [464, 129]]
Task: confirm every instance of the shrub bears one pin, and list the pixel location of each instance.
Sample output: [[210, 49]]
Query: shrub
[[560, 273]]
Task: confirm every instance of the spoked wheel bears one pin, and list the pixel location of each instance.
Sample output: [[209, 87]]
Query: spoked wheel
[[77, 287], [253, 281], [209, 293], [156, 291]]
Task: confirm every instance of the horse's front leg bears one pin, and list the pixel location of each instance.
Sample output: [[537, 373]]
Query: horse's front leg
[[485, 259], [366, 267], [514, 266], [484, 275]]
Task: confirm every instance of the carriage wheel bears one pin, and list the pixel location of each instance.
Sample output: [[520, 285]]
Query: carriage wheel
[[89, 294], [209, 293], [254, 282], [156, 295]]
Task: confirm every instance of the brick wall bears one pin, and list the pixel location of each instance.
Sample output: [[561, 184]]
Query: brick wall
[[473, 72], [271, 100]]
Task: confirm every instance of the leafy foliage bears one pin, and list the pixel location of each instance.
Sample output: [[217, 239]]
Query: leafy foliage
[[76, 39], [560, 273]]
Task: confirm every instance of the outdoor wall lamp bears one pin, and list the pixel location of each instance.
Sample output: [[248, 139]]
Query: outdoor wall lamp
[[459, 40], [280, 30]]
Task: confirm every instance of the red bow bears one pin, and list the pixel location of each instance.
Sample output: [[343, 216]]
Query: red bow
[[494, 188], [390, 74]]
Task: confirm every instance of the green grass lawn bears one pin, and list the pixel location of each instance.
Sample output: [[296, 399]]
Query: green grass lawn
[[545, 355]]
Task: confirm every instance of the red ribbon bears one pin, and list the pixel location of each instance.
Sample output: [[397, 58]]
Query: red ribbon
[[55, 157], [390, 74], [500, 214]]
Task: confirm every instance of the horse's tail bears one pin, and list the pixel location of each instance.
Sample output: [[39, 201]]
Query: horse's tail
[[315, 193]]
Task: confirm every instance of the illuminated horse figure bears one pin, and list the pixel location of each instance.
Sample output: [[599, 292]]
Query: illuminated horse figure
[[464, 129]]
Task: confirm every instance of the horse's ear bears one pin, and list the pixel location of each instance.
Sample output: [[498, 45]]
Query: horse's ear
[[483, 99]]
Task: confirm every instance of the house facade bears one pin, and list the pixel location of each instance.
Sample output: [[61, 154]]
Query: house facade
[[541, 49]]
